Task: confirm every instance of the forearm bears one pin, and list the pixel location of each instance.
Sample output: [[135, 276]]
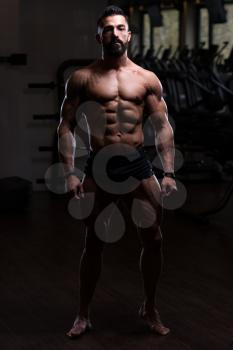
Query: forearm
[[164, 141], [66, 147]]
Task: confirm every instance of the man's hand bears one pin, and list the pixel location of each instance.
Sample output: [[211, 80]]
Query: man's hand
[[75, 186], [168, 185]]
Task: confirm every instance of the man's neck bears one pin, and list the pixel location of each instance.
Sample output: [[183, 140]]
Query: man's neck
[[111, 62]]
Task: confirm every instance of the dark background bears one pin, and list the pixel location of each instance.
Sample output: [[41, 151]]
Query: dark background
[[41, 242]]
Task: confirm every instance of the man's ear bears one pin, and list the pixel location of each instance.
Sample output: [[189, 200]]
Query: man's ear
[[129, 36], [98, 39]]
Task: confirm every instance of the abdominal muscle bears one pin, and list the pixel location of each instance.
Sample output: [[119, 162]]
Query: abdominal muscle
[[116, 125], [116, 133]]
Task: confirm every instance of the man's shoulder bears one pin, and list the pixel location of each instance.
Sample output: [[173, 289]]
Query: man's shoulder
[[82, 74], [147, 74], [150, 76], [152, 82]]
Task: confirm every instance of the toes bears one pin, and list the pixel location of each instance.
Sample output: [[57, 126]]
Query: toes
[[160, 329], [154, 322], [74, 332], [79, 328]]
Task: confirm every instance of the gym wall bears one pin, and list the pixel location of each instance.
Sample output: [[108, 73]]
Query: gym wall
[[49, 32]]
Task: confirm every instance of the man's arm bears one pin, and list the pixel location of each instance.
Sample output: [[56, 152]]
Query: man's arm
[[66, 141], [164, 137]]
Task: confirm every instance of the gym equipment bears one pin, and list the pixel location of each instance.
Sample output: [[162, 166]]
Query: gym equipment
[[51, 85], [46, 116], [198, 89], [16, 59]]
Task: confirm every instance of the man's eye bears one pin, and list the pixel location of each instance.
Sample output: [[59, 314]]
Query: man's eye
[[107, 30]]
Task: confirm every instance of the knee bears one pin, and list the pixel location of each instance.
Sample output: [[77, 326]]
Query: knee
[[152, 240], [153, 245], [93, 245]]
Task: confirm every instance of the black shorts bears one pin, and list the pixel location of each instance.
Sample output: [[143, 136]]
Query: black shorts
[[119, 167]]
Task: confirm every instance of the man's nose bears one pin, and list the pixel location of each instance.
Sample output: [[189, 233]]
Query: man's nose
[[115, 32]]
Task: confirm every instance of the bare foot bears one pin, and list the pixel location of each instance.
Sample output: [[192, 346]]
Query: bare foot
[[153, 320], [80, 326]]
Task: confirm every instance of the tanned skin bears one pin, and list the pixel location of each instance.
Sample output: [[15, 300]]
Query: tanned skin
[[125, 92]]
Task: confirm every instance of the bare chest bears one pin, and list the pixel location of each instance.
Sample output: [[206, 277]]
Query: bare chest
[[116, 87]]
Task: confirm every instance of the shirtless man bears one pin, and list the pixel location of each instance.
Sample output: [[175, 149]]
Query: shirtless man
[[123, 92]]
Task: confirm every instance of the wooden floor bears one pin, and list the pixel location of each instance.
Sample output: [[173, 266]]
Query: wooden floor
[[40, 251]]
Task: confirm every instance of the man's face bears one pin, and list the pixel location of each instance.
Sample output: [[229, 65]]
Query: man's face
[[114, 35]]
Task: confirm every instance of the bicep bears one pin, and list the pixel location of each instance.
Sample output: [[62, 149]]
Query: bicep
[[68, 113], [71, 102], [156, 109]]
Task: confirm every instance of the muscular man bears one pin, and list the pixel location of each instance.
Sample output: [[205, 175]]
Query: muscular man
[[123, 93]]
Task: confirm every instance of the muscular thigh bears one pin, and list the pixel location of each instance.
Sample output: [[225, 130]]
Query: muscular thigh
[[101, 200], [146, 210]]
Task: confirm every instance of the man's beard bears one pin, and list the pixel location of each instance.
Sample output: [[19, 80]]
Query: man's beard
[[116, 48]]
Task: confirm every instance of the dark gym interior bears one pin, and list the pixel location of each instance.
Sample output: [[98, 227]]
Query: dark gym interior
[[188, 44]]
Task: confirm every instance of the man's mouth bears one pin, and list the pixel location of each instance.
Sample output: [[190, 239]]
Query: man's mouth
[[116, 43]]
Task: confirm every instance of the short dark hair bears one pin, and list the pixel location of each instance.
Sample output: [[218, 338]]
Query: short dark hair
[[111, 10]]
